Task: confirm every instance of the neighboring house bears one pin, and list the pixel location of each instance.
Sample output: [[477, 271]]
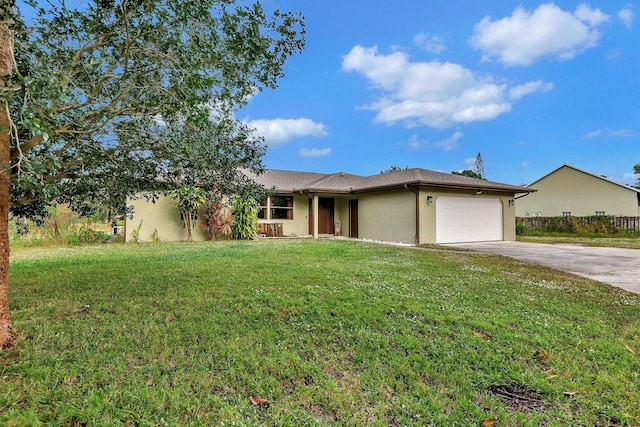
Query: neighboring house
[[569, 191], [409, 206]]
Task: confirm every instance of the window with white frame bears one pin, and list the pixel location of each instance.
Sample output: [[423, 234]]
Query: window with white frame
[[600, 213]]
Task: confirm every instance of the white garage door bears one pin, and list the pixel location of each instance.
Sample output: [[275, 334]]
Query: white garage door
[[468, 219]]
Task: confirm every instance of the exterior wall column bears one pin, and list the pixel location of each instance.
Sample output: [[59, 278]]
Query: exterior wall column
[[316, 203]]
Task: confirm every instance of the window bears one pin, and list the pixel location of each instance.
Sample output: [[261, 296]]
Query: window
[[276, 207], [262, 210], [601, 213], [566, 213], [281, 207]]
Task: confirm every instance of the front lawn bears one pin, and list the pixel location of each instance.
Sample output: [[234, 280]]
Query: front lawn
[[326, 331]]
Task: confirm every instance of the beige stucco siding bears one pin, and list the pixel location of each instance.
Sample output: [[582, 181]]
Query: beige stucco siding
[[162, 216], [570, 190], [387, 216]]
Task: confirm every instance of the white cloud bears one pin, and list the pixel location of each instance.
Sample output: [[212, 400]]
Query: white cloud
[[525, 165], [436, 94], [432, 44], [280, 131], [621, 133], [591, 135], [416, 143], [627, 16], [614, 133], [450, 143], [315, 152], [548, 31], [518, 92], [593, 17]]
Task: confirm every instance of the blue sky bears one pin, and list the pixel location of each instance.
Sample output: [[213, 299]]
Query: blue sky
[[531, 85]]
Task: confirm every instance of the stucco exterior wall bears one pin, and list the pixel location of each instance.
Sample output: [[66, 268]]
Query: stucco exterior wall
[[570, 190], [387, 216], [162, 216]]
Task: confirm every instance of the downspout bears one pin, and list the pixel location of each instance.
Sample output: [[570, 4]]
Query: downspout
[[417, 193]]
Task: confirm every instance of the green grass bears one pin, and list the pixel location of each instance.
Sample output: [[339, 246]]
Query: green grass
[[329, 332], [626, 242]]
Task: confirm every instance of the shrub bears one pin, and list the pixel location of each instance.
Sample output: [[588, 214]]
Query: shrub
[[85, 235], [245, 214], [217, 219]]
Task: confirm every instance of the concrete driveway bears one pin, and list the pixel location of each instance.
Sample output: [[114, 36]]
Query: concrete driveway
[[617, 267]]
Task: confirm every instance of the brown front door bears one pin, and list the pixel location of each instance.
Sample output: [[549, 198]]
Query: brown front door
[[325, 216], [353, 218]]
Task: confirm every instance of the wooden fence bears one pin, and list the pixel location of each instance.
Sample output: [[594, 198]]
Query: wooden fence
[[630, 224]]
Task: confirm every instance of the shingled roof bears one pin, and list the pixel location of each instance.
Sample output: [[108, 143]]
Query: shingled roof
[[292, 182]]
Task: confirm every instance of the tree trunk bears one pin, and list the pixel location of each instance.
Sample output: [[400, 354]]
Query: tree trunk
[[6, 59]]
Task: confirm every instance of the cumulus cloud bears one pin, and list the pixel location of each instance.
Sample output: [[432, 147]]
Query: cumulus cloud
[[547, 32], [436, 94], [627, 16], [432, 44], [614, 133], [315, 152], [280, 131]]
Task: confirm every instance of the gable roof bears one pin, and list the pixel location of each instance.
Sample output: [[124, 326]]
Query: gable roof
[[586, 173], [340, 182]]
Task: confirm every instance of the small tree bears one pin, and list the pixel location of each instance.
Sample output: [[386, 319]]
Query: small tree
[[245, 214], [188, 199]]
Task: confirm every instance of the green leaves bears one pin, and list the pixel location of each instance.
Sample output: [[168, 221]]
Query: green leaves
[[128, 92], [245, 214]]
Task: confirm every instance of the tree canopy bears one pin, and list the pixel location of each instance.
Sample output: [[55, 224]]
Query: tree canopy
[[127, 94], [395, 168], [636, 170], [111, 97]]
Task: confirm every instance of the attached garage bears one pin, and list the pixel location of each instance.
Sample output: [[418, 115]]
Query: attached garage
[[468, 219]]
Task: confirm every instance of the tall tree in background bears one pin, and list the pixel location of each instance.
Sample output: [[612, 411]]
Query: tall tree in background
[[477, 171], [636, 170], [478, 166], [104, 100]]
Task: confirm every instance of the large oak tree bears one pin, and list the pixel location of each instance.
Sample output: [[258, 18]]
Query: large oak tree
[[116, 96]]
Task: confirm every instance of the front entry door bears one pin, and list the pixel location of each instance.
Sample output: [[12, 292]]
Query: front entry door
[[353, 218], [326, 215]]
